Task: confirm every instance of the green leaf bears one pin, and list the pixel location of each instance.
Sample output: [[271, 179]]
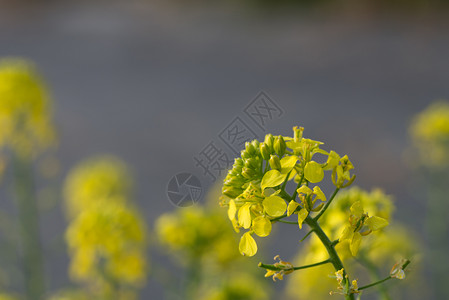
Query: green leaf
[[261, 226], [247, 245], [274, 206], [313, 172], [272, 178]]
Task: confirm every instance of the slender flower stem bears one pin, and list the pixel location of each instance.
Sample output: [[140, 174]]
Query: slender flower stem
[[295, 193], [375, 283], [407, 262], [276, 268], [31, 249], [285, 181], [333, 255], [371, 267], [326, 205], [287, 222], [327, 243], [308, 233]]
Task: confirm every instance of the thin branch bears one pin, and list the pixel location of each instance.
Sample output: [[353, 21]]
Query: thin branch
[[375, 283], [287, 222], [308, 233], [407, 262], [276, 268], [326, 205]]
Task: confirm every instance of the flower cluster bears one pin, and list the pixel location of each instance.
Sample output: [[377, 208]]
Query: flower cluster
[[253, 189], [380, 249], [24, 108], [200, 239], [344, 289], [282, 268], [430, 134], [98, 179], [360, 224], [197, 233], [106, 235]]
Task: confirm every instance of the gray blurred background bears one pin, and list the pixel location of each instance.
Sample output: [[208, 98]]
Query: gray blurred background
[[154, 81]]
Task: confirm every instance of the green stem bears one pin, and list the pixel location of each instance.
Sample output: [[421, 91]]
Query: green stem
[[287, 222], [374, 283], [307, 234], [326, 205], [333, 255], [295, 193], [285, 181], [29, 227], [374, 276], [327, 243], [275, 268], [403, 267]]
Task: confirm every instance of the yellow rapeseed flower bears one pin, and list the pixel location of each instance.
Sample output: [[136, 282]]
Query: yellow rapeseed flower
[[429, 131], [25, 117], [107, 240], [102, 179]]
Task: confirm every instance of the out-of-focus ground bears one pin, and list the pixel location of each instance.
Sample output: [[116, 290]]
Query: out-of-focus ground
[[154, 82]]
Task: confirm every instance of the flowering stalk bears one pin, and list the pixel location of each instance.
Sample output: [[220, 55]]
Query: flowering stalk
[[327, 243], [393, 274], [29, 228], [256, 199]]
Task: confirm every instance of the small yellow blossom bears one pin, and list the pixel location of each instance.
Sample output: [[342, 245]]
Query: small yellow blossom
[[358, 220]]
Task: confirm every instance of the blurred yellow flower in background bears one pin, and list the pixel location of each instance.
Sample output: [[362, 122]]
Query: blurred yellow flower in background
[[429, 131], [241, 286], [104, 179], [106, 236], [197, 232], [384, 247], [203, 241], [25, 117], [7, 297]]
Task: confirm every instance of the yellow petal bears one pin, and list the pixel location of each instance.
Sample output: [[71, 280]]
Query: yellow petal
[[270, 273], [313, 172], [357, 209], [347, 233], [376, 223], [355, 243], [245, 216], [274, 206], [261, 226], [235, 225], [247, 245], [304, 189], [287, 163], [272, 178], [292, 206], [332, 160], [302, 215], [232, 209], [319, 193]]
